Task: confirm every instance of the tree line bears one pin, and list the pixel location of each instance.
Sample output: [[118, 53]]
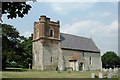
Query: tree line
[[16, 49]]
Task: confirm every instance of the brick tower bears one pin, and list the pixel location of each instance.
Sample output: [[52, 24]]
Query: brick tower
[[47, 53]]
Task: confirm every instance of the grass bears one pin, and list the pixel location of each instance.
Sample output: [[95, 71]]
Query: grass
[[46, 74], [25, 73]]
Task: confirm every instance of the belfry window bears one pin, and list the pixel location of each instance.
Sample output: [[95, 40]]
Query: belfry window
[[51, 32]]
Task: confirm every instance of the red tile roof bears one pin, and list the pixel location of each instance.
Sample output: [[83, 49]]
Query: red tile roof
[[76, 56]]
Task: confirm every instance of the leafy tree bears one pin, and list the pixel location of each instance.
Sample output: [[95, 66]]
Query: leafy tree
[[14, 9], [110, 60], [27, 43], [11, 45], [16, 49]]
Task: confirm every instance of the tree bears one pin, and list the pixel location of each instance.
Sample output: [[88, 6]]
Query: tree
[[110, 60], [16, 49], [15, 9], [11, 46], [27, 56]]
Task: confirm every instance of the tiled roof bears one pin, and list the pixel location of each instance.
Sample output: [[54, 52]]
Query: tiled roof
[[73, 42], [77, 56]]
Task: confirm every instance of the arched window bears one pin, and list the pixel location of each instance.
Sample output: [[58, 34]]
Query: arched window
[[51, 32]]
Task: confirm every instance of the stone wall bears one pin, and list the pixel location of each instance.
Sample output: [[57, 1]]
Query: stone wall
[[47, 55], [67, 54], [96, 59], [37, 55], [50, 56]]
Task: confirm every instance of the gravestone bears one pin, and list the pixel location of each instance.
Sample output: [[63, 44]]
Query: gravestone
[[29, 66], [119, 72], [100, 75], [110, 70], [115, 71], [104, 70], [109, 75], [92, 75]]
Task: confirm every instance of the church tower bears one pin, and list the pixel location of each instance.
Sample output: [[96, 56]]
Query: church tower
[[47, 53]]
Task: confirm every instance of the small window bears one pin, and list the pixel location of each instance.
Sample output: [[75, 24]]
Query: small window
[[83, 54], [51, 32], [90, 60], [51, 59]]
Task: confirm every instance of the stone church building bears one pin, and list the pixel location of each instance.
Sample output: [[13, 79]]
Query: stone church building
[[54, 50]]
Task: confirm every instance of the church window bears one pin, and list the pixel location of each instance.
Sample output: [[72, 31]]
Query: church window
[[83, 54], [51, 32], [90, 60], [51, 59]]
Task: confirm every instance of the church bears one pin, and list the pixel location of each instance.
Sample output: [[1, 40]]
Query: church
[[53, 50]]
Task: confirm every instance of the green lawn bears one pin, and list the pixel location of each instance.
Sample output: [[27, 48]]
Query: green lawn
[[22, 73], [46, 74]]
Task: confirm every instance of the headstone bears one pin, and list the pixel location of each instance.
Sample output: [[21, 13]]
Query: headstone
[[109, 75], [100, 75], [110, 70], [92, 75], [119, 72], [29, 65], [115, 70], [104, 70]]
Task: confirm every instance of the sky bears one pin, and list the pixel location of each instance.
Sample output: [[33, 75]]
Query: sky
[[96, 20]]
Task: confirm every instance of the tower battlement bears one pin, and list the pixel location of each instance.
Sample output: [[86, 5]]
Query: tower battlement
[[44, 19]]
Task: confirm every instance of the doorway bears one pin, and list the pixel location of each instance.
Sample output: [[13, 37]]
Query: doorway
[[73, 65], [81, 66]]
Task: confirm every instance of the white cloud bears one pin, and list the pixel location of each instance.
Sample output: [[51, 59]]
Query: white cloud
[[104, 35], [104, 14], [91, 27], [65, 8], [100, 14], [26, 34], [83, 27]]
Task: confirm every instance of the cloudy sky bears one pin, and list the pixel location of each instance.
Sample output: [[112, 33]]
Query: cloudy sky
[[96, 20]]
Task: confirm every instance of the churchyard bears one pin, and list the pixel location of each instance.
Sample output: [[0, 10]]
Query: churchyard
[[47, 74], [27, 73]]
